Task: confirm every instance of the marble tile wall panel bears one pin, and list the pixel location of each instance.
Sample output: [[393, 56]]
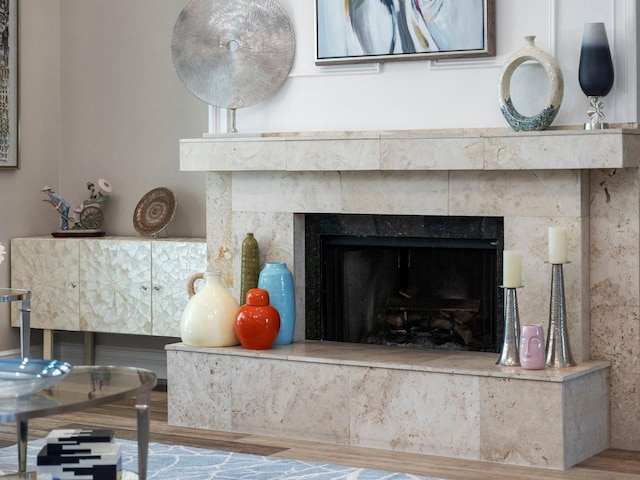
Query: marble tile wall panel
[[291, 399], [529, 235], [403, 411], [556, 151], [451, 404], [521, 422], [394, 193], [220, 226], [286, 192], [615, 290], [429, 153], [274, 233], [333, 155], [586, 417], [224, 155], [541, 193], [615, 237], [199, 393]]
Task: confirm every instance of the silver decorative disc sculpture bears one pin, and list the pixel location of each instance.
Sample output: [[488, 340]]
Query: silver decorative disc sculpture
[[232, 54]]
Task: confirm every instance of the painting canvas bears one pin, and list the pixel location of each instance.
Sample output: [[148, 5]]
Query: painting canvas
[[8, 84], [356, 31]]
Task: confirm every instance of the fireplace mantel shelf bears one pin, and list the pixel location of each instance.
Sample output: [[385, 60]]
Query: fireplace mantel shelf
[[570, 149]]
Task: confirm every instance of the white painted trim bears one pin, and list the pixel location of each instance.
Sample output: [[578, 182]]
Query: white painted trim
[[624, 43], [15, 353], [35, 352]]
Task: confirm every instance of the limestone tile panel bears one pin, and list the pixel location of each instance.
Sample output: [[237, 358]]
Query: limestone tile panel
[[432, 153], [517, 193], [521, 422], [554, 151], [394, 193], [281, 398], [173, 263], [231, 155], [614, 332], [530, 235], [220, 251], [274, 233], [399, 410], [333, 154], [286, 192], [115, 286], [625, 402], [586, 415], [615, 234], [49, 268], [199, 391]]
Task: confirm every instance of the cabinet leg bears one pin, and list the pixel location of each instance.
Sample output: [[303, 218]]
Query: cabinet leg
[[89, 348], [47, 344]]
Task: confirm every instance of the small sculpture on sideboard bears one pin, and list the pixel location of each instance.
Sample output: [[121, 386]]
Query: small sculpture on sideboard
[[83, 220]]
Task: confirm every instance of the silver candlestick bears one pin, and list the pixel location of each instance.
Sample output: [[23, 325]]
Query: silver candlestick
[[510, 357], [558, 349]]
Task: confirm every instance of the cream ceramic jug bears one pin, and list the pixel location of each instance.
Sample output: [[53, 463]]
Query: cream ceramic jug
[[208, 320]]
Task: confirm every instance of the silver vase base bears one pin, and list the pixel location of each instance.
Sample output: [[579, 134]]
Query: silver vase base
[[596, 126]]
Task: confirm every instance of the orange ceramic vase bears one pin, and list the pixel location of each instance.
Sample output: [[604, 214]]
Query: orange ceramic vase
[[257, 322]]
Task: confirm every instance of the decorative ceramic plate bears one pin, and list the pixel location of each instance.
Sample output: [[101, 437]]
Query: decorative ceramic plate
[[154, 211], [24, 376]]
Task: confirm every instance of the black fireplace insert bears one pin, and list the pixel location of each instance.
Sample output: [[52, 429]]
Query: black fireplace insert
[[410, 281]]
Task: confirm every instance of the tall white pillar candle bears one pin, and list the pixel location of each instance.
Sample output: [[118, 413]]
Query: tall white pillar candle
[[558, 249], [511, 268]]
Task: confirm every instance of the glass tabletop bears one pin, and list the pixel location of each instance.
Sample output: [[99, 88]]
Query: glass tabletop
[[14, 294], [83, 387]]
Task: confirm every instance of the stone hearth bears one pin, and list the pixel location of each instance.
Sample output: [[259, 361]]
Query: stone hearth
[[585, 181]]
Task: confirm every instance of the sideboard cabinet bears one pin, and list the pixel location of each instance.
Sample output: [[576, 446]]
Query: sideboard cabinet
[[109, 284]]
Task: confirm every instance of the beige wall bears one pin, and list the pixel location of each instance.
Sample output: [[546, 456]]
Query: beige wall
[[99, 97]]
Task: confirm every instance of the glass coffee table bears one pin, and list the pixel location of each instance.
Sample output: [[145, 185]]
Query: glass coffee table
[[83, 388]]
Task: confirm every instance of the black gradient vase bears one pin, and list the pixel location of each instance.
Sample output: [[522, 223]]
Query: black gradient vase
[[595, 72]]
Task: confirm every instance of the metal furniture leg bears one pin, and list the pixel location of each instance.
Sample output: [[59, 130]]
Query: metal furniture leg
[[142, 407], [23, 434], [25, 327]]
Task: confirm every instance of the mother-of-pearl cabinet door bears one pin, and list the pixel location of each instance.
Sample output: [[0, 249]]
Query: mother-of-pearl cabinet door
[[172, 265], [49, 268], [115, 286]]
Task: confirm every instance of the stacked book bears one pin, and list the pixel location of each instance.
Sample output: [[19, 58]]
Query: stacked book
[[80, 454]]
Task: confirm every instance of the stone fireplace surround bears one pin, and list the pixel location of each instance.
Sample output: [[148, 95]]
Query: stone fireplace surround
[[586, 181]]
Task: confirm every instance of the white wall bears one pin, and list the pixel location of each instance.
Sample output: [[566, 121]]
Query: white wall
[[448, 93], [100, 98]]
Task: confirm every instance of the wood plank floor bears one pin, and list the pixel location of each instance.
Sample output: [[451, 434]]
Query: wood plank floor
[[609, 465]]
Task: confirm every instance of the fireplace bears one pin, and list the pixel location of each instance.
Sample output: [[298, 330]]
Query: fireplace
[[586, 181], [404, 280]]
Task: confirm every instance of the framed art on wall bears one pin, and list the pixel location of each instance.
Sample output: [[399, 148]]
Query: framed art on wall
[[358, 31], [8, 84]]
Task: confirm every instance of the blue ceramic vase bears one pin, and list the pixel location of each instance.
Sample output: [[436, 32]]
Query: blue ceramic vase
[[276, 279]]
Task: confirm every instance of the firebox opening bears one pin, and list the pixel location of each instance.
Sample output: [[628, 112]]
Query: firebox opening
[[412, 281]]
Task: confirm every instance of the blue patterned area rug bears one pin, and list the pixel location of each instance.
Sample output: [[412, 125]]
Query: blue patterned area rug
[[174, 462]]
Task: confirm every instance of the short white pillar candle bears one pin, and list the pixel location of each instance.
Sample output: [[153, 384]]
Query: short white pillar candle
[[511, 268], [558, 246]]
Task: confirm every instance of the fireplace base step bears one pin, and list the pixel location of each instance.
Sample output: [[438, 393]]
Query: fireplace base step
[[447, 403]]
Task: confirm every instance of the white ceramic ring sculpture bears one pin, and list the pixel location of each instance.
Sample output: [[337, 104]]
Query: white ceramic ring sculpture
[[542, 120]]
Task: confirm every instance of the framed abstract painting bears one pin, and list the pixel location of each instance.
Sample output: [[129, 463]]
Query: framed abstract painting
[[8, 84], [359, 31]]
